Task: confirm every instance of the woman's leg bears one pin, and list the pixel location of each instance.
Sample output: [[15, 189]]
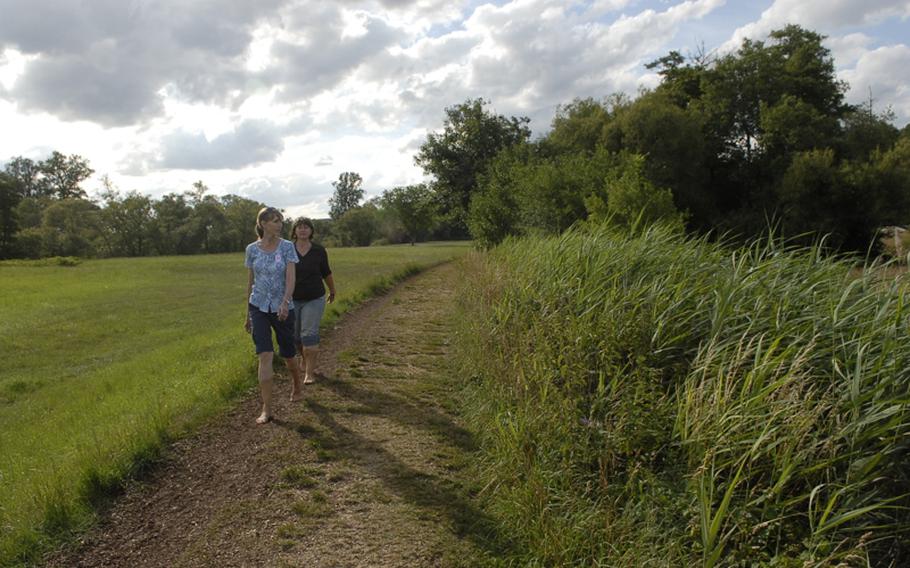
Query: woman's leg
[[284, 333], [297, 363], [310, 317], [309, 355], [261, 332], [265, 386], [293, 366]]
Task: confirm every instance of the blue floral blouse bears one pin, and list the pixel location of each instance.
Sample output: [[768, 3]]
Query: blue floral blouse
[[269, 273]]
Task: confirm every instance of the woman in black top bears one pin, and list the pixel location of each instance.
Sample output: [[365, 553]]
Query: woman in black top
[[309, 296]]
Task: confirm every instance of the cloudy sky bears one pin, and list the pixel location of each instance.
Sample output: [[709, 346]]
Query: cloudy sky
[[272, 99]]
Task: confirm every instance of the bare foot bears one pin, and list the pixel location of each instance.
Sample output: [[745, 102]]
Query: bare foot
[[308, 380], [295, 395], [263, 418]]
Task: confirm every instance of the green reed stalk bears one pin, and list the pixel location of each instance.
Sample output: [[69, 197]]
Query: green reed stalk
[[673, 402]]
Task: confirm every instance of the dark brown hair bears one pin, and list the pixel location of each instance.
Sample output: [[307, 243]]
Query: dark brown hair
[[302, 221]]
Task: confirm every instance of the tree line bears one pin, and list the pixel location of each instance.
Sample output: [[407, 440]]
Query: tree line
[[45, 212], [728, 145], [732, 145]]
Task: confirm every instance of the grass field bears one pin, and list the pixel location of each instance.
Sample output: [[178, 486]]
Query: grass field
[[104, 362]]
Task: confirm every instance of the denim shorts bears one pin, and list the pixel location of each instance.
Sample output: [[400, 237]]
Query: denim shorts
[[306, 324], [264, 323]]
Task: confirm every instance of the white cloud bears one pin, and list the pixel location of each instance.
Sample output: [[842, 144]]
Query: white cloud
[[284, 192], [106, 61], [885, 73], [862, 61], [251, 142], [273, 99], [12, 65], [536, 54], [826, 16], [600, 7], [847, 49]]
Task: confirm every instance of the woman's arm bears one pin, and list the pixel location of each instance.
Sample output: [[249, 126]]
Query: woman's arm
[[331, 284], [247, 324], [327, 275], [290, 272]]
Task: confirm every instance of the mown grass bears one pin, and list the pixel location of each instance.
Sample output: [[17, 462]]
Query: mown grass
[[648, 400], [104, 362]]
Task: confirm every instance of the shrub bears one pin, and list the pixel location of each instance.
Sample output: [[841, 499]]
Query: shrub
[[628, 199]]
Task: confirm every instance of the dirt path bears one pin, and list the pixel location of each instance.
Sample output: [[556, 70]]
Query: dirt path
[[366, 471]]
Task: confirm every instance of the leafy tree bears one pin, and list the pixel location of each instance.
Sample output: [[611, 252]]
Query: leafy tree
[[494, 213], [672, 140], [25, 174], [758, 108], [848, 201], [415, 206], [127, 221], [891, 183], [29, 211], [524, 191], [58, 176], [9, 226], [789, 127], [171, 230], [578, 126], [865, 131], [812, 194], [61, 175], [897, 160], [389, 229], [359, 226], [70, 227], [239, 214], [629, 198], [681, 80], [552, 191], [347, 196], [791, 75], [325, 230], [794, 62], [29, 243], [471, 137], [793, 125], [208, 221]]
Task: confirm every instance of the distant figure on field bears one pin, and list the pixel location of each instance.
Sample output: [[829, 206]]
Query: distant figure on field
[[309, 294], [271, 262]]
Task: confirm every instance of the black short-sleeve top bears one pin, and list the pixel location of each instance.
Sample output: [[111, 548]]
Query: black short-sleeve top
[[311, 270]]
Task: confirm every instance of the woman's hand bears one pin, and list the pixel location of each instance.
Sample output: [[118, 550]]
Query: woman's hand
[[283, 311], [248, 325]]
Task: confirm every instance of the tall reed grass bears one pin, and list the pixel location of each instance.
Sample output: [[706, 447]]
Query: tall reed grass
[[653, 400]]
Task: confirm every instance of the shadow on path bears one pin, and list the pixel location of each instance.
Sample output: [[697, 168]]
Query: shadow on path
[[427, 491], [407, 412]]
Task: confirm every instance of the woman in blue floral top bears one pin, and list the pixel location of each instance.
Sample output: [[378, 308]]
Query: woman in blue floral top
[[271, 261]]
